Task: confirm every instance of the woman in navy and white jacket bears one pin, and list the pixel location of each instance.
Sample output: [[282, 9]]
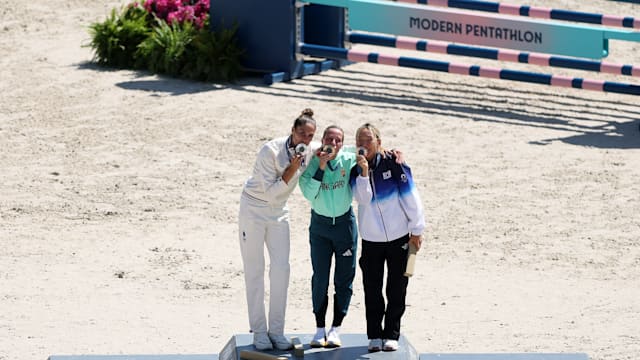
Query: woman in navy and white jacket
[[390, 217]]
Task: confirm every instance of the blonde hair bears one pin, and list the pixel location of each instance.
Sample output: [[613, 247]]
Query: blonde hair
[[374, 130], [370, 127]]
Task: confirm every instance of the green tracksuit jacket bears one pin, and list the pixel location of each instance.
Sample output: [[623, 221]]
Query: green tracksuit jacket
[[329, 192]]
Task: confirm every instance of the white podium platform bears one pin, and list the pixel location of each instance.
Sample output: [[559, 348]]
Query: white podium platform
[[354, 347]]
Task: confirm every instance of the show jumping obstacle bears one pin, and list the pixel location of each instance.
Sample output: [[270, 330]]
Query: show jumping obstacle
[[533, 11], [281, 35], [489, 53]]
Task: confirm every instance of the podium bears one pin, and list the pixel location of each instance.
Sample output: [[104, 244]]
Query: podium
[[354, 347]]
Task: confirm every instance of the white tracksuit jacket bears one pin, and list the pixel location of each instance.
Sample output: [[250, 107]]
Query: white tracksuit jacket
[[390, 208], [264, 221]]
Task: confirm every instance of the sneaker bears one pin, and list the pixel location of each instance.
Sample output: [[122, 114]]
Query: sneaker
[[333, 337], [375, 345], [390, 345], [261, 341], [280, 342], [319, 339]]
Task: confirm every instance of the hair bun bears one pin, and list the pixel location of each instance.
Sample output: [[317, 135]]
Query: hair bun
[[307, 112]]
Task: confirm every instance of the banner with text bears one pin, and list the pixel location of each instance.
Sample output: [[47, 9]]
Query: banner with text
[[467, 27]]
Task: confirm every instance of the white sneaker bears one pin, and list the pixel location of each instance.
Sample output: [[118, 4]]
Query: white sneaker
[[375, 345], [333, 337], [261, 341], [390, 345], [319, 339], [280, 342]]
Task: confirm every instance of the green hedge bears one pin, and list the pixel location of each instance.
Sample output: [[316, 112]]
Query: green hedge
[[135, 38]]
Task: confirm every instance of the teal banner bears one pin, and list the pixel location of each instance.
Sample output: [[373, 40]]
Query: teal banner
[[467, 27]]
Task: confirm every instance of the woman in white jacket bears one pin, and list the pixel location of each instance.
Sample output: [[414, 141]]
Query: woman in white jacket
[[390, 218], [264, 221]]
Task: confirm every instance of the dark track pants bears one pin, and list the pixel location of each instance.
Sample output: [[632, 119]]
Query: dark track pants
[[331, 238], [372, 262]]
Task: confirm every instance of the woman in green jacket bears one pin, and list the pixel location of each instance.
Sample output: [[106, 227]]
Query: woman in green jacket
[[332, 232]]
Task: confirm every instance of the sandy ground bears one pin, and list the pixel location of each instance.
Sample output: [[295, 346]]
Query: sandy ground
[[119, 195]]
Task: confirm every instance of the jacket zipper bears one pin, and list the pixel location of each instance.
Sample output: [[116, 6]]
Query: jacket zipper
[[373, 187]]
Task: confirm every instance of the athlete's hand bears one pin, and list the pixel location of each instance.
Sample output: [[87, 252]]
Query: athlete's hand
[[294, 165], [325, 157], [416, 240], [363, 164]]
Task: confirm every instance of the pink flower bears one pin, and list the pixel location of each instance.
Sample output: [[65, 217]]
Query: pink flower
[[187, 13], [179, 11]]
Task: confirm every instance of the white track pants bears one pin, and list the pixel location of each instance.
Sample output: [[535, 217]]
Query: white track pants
[[260, 225]]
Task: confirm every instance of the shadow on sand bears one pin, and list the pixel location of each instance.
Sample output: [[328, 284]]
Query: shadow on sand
[[592, 122]]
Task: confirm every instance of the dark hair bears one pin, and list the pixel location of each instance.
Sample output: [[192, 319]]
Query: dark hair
[[305, 117], [333, 127]]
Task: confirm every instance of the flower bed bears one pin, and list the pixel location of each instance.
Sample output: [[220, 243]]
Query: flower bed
[[167, 37]]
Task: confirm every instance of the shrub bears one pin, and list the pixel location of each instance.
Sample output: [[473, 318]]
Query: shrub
[[214, 56], [164, 51], [167, 37], [115, 41]]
